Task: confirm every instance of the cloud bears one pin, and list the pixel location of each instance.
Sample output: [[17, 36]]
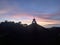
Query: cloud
[[15, 13], [52, 25], [41, 18], [53, 16], [25, 18], [50, 16], [3, 11]]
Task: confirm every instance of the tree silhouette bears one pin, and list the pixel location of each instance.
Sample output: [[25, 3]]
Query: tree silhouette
[[17, 33]]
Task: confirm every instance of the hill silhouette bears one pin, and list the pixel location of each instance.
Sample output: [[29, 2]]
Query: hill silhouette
[[16, 33]]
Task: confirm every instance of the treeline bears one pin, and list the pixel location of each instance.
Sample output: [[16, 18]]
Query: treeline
[[17, 33]]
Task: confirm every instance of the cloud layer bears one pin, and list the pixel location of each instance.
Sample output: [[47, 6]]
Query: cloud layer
[[25, 11]]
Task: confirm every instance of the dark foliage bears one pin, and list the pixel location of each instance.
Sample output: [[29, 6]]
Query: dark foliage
[[15, 34]]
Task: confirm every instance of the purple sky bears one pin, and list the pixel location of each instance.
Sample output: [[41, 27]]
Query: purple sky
[[46, 12]]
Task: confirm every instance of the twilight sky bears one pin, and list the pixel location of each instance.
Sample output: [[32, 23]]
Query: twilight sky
[[46, 12]]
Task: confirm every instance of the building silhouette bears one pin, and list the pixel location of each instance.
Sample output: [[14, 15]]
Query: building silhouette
[[34, 21]]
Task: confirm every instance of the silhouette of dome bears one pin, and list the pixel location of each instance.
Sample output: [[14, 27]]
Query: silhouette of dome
[[35, 26], [34, 21]]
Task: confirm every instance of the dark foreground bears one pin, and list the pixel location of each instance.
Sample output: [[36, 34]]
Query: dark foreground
[[15, 34]]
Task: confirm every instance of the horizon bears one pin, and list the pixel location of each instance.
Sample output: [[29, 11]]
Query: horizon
[[46, 12], [51, 26]]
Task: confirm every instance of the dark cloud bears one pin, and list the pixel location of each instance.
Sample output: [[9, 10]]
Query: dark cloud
[[52, 25]]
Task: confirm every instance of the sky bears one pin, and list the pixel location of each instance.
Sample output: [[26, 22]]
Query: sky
[[46, 12]]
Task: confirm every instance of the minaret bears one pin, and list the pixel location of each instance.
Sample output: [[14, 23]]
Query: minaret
[[34, 21]]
